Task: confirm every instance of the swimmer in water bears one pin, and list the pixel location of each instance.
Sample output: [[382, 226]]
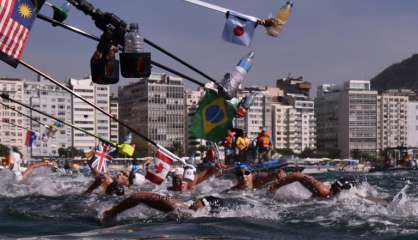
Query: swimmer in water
[[181, 184], [13, 161], [163, 203], [317, 188], [111, 185], [249, 179]]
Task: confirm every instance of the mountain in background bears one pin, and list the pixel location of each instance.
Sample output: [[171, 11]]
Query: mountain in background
[[400, 75]]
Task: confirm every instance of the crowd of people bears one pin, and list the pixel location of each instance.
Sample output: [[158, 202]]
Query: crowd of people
[[240, 148]]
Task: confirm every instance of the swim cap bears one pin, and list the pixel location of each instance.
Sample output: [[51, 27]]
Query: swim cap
[[343, 184], [244, 166], [212, 204]]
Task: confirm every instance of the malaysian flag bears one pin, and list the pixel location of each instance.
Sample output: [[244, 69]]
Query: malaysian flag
[[104, 152], [16, 19]]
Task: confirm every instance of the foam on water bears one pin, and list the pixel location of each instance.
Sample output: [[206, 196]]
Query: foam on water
[[370, 206]]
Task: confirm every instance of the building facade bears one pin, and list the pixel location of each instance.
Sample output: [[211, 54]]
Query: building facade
[[114, 126], [155, 108], [191, 102], [259, 114], [412, 116], [10, 135], [392, 108], [349, 113], [87, 117], [49, 98]]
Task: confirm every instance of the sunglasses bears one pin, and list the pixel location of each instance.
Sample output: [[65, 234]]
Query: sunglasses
[[122, 174], [244, 173]]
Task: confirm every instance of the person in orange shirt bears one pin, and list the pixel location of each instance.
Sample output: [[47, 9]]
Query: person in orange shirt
[[264, 144], [229, 145]]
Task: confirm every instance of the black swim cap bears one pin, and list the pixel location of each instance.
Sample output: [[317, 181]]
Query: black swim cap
[[343, 184], [213, 203]]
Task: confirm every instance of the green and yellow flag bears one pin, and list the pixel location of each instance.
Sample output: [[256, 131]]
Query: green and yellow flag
[[213, 118]]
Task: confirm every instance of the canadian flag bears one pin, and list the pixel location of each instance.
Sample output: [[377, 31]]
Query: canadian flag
[[160, 168]]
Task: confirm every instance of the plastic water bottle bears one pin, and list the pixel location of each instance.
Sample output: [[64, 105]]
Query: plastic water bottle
[[280, 20], [134, 42], [237, 76]]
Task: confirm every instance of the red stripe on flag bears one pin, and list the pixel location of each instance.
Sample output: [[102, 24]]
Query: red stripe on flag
[[5, 19], [19, 39], [11, 41], [164, 157], [20, 50], [8, 30]]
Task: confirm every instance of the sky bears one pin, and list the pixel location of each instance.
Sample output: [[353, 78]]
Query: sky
[[325, 41]]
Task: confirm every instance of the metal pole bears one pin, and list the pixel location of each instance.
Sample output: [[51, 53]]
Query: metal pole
[[5, 96], [91, 36], [30, 67]]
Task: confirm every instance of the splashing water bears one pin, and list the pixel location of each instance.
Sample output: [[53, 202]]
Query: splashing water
[[384, 205]]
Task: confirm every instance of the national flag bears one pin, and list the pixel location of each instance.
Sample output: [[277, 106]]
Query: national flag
[[213, 117], [16, 19], [161, 166], [30, 138], [103, 153], [239, 28]]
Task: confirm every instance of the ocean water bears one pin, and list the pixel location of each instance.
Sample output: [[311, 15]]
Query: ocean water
[[51, 206]]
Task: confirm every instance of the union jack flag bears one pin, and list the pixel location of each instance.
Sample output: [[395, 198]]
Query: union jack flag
[[104, 152], [16, 19]]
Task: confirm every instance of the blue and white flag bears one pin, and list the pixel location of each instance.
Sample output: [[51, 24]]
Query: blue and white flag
[[239, 28]]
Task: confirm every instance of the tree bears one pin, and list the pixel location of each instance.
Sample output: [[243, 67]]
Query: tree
[[70, 152], [4, 150], [285, 151], [356, 154], [177, 148], [309, 153], [334, 153]]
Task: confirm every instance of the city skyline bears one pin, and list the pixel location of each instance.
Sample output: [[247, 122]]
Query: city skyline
[[346, 41]]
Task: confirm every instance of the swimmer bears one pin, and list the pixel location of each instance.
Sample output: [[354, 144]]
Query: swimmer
[[249, 179], [163, 203], [13, 162], [180, 184], [317, 188], [111, 185]]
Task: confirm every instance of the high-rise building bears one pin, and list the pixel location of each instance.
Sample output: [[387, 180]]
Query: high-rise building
[[412, 112], [259, 114], [351, 116], [291, 85], [302, 123], [51, 99], [114, 126], [281, 125], [10, 135], [191, 104], [87, 117], [392, 119], [154, 107]]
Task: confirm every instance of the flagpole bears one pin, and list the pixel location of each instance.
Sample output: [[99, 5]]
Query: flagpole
[[32, 68], [149, 42], [5, 96]]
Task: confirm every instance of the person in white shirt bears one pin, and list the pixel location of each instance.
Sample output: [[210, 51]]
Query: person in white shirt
[[13, 162]]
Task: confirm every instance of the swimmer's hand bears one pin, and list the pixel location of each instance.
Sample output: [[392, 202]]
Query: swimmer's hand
[[108, 215]]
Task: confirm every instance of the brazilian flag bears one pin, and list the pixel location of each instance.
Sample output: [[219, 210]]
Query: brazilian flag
[[213, 117]]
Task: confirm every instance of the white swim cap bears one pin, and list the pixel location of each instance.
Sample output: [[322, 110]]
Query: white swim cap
[[139, 179]]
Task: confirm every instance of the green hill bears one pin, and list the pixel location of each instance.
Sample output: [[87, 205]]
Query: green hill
[[399, 75]]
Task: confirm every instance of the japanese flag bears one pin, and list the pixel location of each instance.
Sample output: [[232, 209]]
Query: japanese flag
[[239, 28]]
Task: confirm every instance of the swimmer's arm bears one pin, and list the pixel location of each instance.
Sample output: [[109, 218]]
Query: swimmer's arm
[[153, 200], [202, 176], [316, 187], [263, 178], [97, 182], [32, 167]]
